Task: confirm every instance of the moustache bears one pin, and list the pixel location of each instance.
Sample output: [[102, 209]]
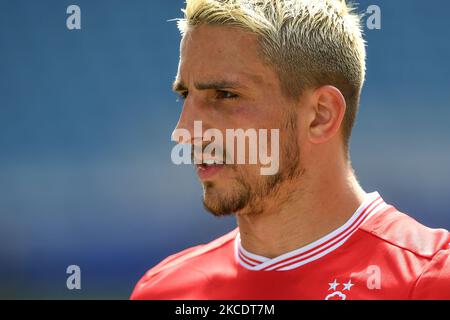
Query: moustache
[[209, 153]]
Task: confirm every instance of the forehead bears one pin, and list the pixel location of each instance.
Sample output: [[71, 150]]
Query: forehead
[[211, 51]]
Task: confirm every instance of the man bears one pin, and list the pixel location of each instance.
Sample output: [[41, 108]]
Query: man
[[309, 231]]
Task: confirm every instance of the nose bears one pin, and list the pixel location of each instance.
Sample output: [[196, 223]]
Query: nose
[[184, 131]]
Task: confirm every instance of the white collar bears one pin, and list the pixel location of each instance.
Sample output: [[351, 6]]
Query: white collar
[[372, 204]]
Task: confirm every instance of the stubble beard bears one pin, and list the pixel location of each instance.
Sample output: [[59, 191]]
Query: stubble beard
[[249, 198]]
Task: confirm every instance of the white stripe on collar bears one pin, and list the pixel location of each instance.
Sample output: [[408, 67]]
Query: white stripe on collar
[[372, 204]]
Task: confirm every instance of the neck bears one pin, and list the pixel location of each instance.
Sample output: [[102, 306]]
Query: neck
[[329, 200]]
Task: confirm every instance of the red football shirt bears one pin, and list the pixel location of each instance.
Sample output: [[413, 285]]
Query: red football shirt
[[379, 253]]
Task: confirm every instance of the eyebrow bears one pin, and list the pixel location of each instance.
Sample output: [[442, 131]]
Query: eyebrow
[[179, 86]]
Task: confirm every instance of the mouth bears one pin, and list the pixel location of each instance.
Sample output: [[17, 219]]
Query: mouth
[[208, 170]]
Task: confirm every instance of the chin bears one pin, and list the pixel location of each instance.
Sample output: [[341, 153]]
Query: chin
[[223, 201]]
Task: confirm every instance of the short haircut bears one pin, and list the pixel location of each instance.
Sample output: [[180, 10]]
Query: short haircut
[[310, 43]]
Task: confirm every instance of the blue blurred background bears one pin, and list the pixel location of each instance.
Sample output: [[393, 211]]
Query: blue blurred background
[[85, 124]]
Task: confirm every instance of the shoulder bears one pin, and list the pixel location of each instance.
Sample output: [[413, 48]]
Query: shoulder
[[193, 255], [434, 282], [181, 270], [417, 247], [399, 230]]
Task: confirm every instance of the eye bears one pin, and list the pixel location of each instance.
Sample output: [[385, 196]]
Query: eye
[[182, 95], [223, 94]]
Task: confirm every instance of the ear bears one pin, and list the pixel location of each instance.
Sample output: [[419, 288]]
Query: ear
[[327, 113]]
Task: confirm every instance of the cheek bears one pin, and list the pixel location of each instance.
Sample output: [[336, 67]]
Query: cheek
[[240, 116], [244, 113], [248, 173], [253, 114]]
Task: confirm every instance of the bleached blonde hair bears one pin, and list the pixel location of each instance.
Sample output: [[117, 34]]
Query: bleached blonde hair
[[309, 42]]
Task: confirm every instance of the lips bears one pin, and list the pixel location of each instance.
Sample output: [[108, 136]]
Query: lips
[[207, 171]]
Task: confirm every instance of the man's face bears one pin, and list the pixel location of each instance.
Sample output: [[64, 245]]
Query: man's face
[[227, 85]]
